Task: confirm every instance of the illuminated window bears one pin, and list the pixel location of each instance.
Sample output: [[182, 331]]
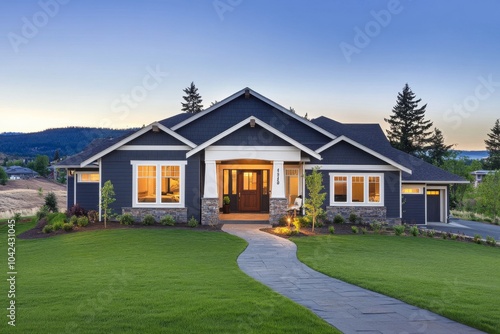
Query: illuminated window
[[158, 183], [249, 181], [291, 184], [412, 190], [356, 189], [433, 192], [265, 182], [88, 177]]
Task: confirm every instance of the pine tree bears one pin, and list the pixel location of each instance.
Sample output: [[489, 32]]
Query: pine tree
[[409, 131], [56, 156], [493, 147], [192, 100], [437, 150]]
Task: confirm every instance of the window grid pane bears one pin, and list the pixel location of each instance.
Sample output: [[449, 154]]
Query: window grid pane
[[146, 184], [358, 188], [374, 189], [340, 189]]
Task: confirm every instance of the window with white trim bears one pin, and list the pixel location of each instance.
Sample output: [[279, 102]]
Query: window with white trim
[[88, 177], [291, 184], [410, 189], [158, 183], [356, 189]]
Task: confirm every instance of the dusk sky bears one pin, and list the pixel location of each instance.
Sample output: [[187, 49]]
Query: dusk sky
[[124, 63]]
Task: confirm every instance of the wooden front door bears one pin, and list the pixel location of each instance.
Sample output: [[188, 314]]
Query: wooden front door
[[249, 191]]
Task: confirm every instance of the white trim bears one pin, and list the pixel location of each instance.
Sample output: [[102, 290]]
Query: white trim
[[420, 188], [353, 167], [349, 189], [100, 187], [262, 153], [159, 163], [260, 123], [400, 196], [154, 148], [297, 169], [134, 136], [79, 180], [366, 149], [435, 182], [74, 187], [262, 98]]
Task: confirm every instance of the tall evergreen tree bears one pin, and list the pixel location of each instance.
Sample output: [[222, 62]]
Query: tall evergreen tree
[[437, 150], [192, 100], [493, 147], [409, 130]]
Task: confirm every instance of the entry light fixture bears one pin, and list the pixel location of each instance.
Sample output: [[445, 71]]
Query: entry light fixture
[[252, 122]]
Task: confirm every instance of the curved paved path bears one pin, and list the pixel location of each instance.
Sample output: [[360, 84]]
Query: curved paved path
[[272, 260]]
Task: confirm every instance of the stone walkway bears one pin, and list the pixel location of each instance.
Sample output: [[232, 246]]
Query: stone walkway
[[272, 260]]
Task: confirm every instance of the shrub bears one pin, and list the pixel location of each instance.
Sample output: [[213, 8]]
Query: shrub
[[42, 213], [306, 221], [353, 218], [431, 233], [319, 223], [364, 230], [68, 226], [354, 229], [338, 219], [192, 222], [331, 229], [73, 220], [51, 202], [126, 219], [283, 221], [491, 241], [82, 221], [453, 237], [17, 217], [77, 210], [56, 217], [168, 220], [376, 227], [93, 216], [58, 225], [444, 236], [47, 229], [414, 231], [283, 231], [398, 229], [148, 220], [477, 238], [488, 220]]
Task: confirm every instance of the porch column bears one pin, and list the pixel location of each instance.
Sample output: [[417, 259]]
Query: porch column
[[277, 203], [210, 200]]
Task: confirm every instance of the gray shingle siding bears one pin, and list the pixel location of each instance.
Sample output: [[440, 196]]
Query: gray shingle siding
[[193, 187], [218, 120], [155, 138], [346, 154], [87, 195]]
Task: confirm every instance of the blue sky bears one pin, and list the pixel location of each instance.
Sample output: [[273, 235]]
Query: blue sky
[[125, 63]]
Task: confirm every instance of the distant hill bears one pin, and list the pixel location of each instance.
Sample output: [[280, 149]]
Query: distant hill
[[68, 141], [473, 155]]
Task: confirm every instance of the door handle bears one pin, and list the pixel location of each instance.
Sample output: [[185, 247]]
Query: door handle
[[239, 195]]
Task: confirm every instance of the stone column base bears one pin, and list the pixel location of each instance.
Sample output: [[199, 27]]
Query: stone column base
[[209, 211], [277, 209]]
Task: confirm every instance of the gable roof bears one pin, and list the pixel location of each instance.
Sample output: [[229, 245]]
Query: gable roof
[[373, 137], [247, 90], [96, 146], [266, 126]]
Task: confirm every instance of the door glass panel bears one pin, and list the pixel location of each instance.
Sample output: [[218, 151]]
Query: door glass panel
[[226, 181], [234, 183], [265, 182], [249, 181]]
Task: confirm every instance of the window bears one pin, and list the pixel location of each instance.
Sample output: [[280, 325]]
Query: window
[[249, 181], [433, 192], [88, 177], [412, 189], [265, 182], [291, 184], [158, 183], [356, 189]]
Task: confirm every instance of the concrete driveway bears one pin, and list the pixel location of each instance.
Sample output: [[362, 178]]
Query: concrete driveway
[[468, 228]]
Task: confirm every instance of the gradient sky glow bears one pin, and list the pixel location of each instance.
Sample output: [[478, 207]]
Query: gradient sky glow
[[83, 57]]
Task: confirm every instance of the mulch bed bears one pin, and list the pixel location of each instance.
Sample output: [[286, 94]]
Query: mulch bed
[[36, 232], [340, 229]]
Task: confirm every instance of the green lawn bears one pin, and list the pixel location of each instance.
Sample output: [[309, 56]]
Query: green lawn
[[460, 281], [144, 281]]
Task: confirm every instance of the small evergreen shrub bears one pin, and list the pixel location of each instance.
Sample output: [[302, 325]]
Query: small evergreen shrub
[[354, 229], [93, 216], [376, 227], [305, 221], [17, 217], [47, 229], [491, 241], [353, 218], [477, 238], [331, 229], [488, 220], [364, 230], [431, 233], [338, 219], [126, 219], [453, 237], [82, 221], [148, 220], [414, 231], [319, 223], [283, 231], [168, 220], [58, 225], [398, 229], [73, 220], [68, 226], [42, 213], [444, 236], [51, 202], [193, 222]]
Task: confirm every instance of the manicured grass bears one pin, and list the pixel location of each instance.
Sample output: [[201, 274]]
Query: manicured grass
[[460, 281], [145, 281]]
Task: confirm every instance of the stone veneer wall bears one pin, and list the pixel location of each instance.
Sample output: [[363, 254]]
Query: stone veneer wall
[[367, 213], [277, 209], [209, 211], [179, 214]]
